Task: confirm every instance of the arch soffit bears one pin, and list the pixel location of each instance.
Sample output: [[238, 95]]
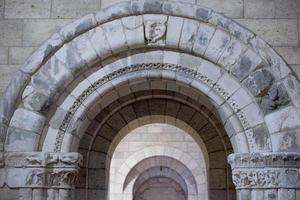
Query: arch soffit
[[77, 38]]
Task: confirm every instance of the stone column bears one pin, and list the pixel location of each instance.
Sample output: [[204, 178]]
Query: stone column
[[42, 176], [266, 176]]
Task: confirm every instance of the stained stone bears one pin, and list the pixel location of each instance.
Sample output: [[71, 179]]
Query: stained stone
[[275, 98], [259, 82], [27, 120], [247, 63]]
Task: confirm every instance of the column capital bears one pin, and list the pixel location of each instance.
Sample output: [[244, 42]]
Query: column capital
[[41, 170], [265, 170]]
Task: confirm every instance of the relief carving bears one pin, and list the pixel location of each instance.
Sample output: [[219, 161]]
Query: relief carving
[[155, 30], [250, 179], [44, 178]]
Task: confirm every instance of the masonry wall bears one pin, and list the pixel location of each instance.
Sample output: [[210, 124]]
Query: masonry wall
[[25, 24]]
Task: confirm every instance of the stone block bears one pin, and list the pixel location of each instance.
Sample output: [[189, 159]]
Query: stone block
[[100, 42], [174, 31], [282, 120], [134, 31], [230, 8], [115, 35], [202, 38], [36, 31], [27, 120], [2, 9], [189, 31], [106, 3], [277, 32], [296, 69], [259, 9], [217, 45], [290, 54], [246, 64], [27, 8], [11, 32], [3, 55], [287, 9], [73, 8], [21, 140], [18, 55], [7, 72]]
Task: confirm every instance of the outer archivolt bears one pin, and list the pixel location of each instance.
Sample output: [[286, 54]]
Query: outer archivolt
[[192, 74]]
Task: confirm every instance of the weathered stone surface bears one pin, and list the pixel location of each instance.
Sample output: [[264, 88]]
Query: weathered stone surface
[[248, 62], [259, 82], [230, 8], [134, 31], [27, 120], [259, 9], [34, 100], [174, 31], [106, 3], [27, 8], [78, 27], [52, 77], [7, 72], [275, 98], [202, 38], [2, 9], [115, 35], [73, 9], [11, 32], [282, 120], [20, 140], [217, 45], [36, 31], [3, 55], [231, 54], [188, 35], [277, 32], [287, 9], [18, 55], [290, 54]]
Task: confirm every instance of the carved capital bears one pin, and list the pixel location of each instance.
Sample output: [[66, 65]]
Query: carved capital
[[265, 170], [41, 170]]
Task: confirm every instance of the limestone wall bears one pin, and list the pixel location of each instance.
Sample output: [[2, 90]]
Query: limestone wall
[[25, 24]]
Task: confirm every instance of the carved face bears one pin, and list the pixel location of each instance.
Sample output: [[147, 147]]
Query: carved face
[[155, 30]]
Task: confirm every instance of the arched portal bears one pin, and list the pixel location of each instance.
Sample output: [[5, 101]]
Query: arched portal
[[148, 61]]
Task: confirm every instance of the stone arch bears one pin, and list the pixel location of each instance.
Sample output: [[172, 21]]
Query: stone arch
[[246, 61], [185, 175], [247, 57], [159, 172]]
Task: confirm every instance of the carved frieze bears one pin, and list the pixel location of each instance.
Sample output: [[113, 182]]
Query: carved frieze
[[40, 159], [265, 170]]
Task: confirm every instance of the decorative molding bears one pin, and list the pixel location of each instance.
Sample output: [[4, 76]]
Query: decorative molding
[[41, 159], [192, 74], [266, 178], [265, 170], [262, 160]]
